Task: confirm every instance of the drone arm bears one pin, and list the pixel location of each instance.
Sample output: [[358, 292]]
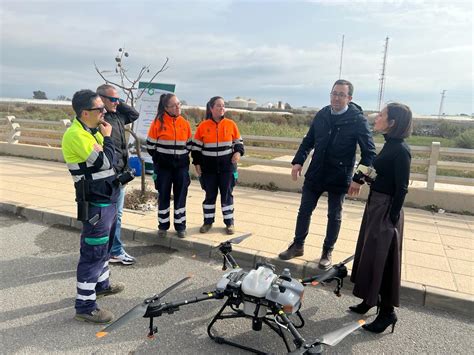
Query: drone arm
[[171, 307], [327, 276], [337, 272], [231, 261], [298, 339]]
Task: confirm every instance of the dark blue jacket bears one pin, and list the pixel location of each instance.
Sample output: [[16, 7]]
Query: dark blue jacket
[[334, 139]]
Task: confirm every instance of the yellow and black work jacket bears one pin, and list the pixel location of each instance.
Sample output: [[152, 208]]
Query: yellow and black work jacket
[[91, 170], [169, 143], [214, 144]]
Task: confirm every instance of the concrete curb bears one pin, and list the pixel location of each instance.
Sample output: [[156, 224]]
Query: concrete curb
[[413, 293]]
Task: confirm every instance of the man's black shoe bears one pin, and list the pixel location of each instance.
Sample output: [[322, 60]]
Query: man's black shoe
[[293, 251]]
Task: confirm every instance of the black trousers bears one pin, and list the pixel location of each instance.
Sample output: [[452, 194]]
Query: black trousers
[[224, 183], [309, 201], [179, 180]]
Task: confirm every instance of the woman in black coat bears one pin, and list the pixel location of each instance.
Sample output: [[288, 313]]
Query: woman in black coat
[[377, 263]]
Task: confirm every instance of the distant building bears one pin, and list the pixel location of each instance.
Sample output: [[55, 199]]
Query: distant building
[[251, 104], [240, 102]]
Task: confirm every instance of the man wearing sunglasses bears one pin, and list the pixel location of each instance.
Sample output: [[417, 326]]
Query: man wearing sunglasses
[[118, 114], [89, 153], [334, 134]]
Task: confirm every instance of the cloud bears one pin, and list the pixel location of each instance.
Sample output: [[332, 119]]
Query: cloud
[[286, 50]]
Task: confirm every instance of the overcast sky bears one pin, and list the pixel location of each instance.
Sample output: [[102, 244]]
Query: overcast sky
[[266, 50]]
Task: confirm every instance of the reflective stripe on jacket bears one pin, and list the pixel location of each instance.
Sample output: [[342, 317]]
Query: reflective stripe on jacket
[[169, 143], [84, 162], [214, 144]]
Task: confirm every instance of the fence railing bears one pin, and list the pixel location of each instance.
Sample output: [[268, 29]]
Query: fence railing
[[432, 162], [260, 149]]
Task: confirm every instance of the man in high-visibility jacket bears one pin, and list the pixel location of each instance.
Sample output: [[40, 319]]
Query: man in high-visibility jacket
[[88, 151]]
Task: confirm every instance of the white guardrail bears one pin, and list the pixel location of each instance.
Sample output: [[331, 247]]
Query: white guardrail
[[49, 133]]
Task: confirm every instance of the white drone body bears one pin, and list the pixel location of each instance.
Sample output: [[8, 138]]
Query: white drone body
[[261, 287]]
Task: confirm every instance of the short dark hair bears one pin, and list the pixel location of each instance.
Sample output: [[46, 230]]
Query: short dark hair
[[83, 100], [102, 89], [402, 119], [345, 82], [210, 104]]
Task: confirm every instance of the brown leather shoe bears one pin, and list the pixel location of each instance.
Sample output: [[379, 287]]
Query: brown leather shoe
[[293, 251], [326, 259], [205, 228], [98, 316]]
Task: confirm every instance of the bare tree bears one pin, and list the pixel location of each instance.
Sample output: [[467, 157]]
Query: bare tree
[[129, 86], [126, 82]]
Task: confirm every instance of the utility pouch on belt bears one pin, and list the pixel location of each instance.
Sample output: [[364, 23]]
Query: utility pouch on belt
[[82, 204]]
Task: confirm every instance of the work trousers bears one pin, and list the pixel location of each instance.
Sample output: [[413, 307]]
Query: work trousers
[[179, 180], [93, 267], [224, 183], [309, 201]]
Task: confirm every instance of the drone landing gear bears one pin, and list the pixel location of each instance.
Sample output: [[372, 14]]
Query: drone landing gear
[[256, 325]]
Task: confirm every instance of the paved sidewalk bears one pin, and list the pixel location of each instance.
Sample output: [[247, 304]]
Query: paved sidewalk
[[438, 256]]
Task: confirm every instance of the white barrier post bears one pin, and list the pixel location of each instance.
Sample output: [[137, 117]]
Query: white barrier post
[[15, 132], [434, 157]]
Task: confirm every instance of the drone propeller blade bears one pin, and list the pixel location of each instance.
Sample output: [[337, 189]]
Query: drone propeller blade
[[172, 287], [139, 310], [236, 240], [136, 312], [333, 338], [239, 239], [345, 261]]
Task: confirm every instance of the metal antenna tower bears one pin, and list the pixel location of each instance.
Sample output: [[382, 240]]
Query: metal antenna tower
[[340, 62], [440, 113], [382, 75]]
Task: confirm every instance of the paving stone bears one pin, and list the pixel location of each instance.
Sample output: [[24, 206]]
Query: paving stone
[[430, 277]]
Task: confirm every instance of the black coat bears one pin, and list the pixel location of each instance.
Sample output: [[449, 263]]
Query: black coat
[[124, 115], [334, 139]]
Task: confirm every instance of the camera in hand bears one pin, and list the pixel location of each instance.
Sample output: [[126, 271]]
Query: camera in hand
[[125, 177], [369, 174]]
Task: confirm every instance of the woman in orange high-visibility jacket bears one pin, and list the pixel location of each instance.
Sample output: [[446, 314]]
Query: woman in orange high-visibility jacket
[[217, 147], [169, 144]]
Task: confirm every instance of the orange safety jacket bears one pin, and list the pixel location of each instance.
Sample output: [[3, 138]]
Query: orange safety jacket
[[215, 143], [169, 143]]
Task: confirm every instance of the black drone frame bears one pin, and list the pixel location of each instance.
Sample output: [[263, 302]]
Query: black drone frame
[[275, 318]]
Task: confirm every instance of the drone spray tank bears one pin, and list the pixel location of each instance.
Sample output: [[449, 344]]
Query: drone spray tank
[[256, 284]]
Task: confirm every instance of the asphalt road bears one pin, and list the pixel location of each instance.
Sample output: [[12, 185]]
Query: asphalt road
[[37, 290]]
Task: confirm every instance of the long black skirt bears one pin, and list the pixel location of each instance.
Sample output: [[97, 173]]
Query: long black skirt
[[377, 263]]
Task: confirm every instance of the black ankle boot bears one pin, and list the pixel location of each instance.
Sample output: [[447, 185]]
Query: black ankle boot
[[361, 308], [383, 320]]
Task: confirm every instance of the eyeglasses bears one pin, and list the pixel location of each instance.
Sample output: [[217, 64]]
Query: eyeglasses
[[112, 99], [102, 109], [338, 94], [177, 105]]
